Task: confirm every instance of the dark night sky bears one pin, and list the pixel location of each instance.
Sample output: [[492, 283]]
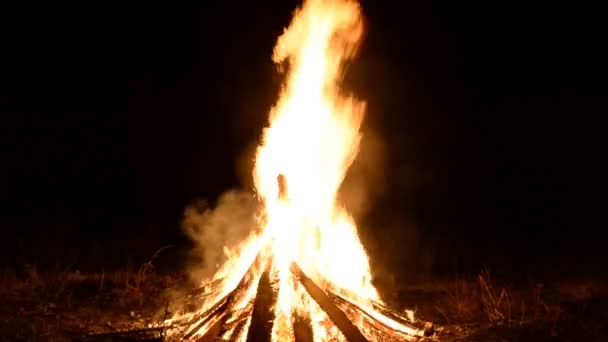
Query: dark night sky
[[114, 118]]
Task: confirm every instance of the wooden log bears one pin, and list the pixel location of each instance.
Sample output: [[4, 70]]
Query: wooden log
[[409, 332], [262, 316], [302, 329], [146, 334], [240, 327], [219, 311], [214, 329], [234, 323], [339, 318], [380, 309], [426, 327], [282, 181], [225, 304]]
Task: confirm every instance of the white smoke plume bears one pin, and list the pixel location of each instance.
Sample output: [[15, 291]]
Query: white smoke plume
[[216, 228], [366, 178]]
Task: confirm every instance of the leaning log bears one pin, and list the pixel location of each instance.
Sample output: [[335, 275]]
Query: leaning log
[[214, 328], [374, 326], [302, 328], [262, 316], [239, 327], [146, 334], [339, 318], [226, 303], [215, 316], [426, 327]]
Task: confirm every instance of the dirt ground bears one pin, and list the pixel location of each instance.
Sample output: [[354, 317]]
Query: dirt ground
[[70, 306]]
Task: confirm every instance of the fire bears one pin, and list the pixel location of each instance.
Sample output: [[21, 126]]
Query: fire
[[312, 139]]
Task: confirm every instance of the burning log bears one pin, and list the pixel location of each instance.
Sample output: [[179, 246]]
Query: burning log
[[427, 327], [217, 314], [282, 181], [302, 329], [223, 321], [350, 331], [262, 316], [382, 310], [213, 320], [378, 324], [197, 322], [238, 326]]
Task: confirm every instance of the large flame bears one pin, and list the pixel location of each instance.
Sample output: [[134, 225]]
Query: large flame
[[312, 139], [311, 142]]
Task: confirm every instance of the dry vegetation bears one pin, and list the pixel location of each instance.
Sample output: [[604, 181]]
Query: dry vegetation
[[486, 309], [64, 304]]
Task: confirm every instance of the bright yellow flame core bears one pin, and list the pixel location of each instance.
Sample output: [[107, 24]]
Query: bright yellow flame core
[[312, 140]]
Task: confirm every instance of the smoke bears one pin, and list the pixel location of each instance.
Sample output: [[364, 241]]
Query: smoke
[[379, 193], [216, 229], [245, 162], [366, 179]]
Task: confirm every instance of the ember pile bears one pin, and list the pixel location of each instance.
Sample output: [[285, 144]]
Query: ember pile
[[303, 274]]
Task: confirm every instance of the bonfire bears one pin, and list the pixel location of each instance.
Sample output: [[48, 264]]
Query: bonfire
[[303, 275]]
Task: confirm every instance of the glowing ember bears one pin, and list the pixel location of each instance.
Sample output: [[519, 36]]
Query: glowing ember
[[312, 139]]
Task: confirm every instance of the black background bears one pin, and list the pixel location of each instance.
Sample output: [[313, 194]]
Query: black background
[[114, 117]]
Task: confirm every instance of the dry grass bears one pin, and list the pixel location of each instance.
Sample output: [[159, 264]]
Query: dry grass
[[504, 305], [487, 308], [126, 288], [460, 303], [484, 299], [137, 284], [41, 301], [497, 302], [53, 305]]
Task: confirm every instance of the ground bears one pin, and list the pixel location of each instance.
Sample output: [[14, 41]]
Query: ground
[[69, 305]]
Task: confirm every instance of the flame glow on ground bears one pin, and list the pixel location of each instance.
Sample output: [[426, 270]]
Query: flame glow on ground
[[312, 139]]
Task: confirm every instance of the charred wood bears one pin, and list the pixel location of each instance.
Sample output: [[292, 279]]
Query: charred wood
[[374, 326], [213, 329], [339, 318], [148, 334], [302, 329], [215, 317], [227, 301], [427, 327], [262, 316], [240, 327]]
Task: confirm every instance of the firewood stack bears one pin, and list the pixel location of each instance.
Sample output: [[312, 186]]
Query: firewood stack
[[224, 321]]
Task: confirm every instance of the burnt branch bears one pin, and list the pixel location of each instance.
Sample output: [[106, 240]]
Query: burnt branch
[[339, 318]]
